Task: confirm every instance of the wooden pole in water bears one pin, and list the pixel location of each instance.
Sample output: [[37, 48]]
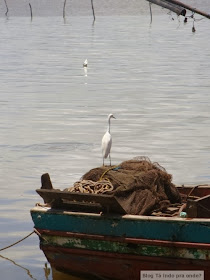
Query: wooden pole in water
[[6, 7], [93, 10], [64, 7], [150, 8], [188, 7], [31, 11]]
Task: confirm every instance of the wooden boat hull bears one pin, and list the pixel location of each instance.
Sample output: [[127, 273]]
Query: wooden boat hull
[[120, 247], [90, 264], [144, 227]]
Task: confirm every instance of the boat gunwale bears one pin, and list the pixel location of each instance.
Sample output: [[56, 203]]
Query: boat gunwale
[[49, 210]]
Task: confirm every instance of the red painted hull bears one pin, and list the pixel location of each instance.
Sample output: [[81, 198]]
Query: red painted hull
[[115, 266]]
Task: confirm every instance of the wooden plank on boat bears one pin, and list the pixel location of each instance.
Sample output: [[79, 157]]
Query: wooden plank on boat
[[194, 190], [81, 201], [199, 208]]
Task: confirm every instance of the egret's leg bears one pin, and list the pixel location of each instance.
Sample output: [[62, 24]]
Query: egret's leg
[[103, 161], [110, 160]]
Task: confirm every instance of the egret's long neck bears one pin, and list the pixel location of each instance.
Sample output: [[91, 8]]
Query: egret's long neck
[[108, 128]]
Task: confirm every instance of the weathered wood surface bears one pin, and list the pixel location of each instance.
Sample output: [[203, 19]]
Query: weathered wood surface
[[174, 229], [99, 265], [199, 208], [59, 199], [46, 182], [95, 203], [189, 190]]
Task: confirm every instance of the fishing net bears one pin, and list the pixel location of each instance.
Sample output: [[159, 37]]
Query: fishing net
[[139, 185]]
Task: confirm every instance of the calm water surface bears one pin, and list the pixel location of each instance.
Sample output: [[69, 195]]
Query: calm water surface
[[154, 78]]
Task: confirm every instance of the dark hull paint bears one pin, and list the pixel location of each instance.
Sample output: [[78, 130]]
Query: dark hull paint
[[115, 266]]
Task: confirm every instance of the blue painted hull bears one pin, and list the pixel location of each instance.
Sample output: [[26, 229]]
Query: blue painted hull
[[144, 227], [120, 247]]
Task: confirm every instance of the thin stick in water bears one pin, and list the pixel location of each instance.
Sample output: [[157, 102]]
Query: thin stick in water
[[6, 7], [150, 8], [64, 7], [31, 11], [93, 10]]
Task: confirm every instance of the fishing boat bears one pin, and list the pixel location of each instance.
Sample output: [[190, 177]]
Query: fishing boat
[[109, 244]]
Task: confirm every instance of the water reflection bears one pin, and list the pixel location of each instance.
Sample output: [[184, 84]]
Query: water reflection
[[20, 266], [85, 71], [49, 273], [56, 275], [46, 271]]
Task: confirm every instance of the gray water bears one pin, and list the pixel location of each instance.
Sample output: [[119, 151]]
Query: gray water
[[154, 78]]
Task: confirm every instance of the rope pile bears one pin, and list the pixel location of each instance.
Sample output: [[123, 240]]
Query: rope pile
[[89, 186]]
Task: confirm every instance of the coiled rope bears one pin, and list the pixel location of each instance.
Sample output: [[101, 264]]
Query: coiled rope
[[102, 186], [88, 186]]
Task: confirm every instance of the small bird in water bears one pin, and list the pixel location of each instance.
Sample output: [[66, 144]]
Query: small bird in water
[[107, 141], [85, 63]]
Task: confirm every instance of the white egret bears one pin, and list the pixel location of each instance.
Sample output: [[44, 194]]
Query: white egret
[[85, 63], [107, 141]]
